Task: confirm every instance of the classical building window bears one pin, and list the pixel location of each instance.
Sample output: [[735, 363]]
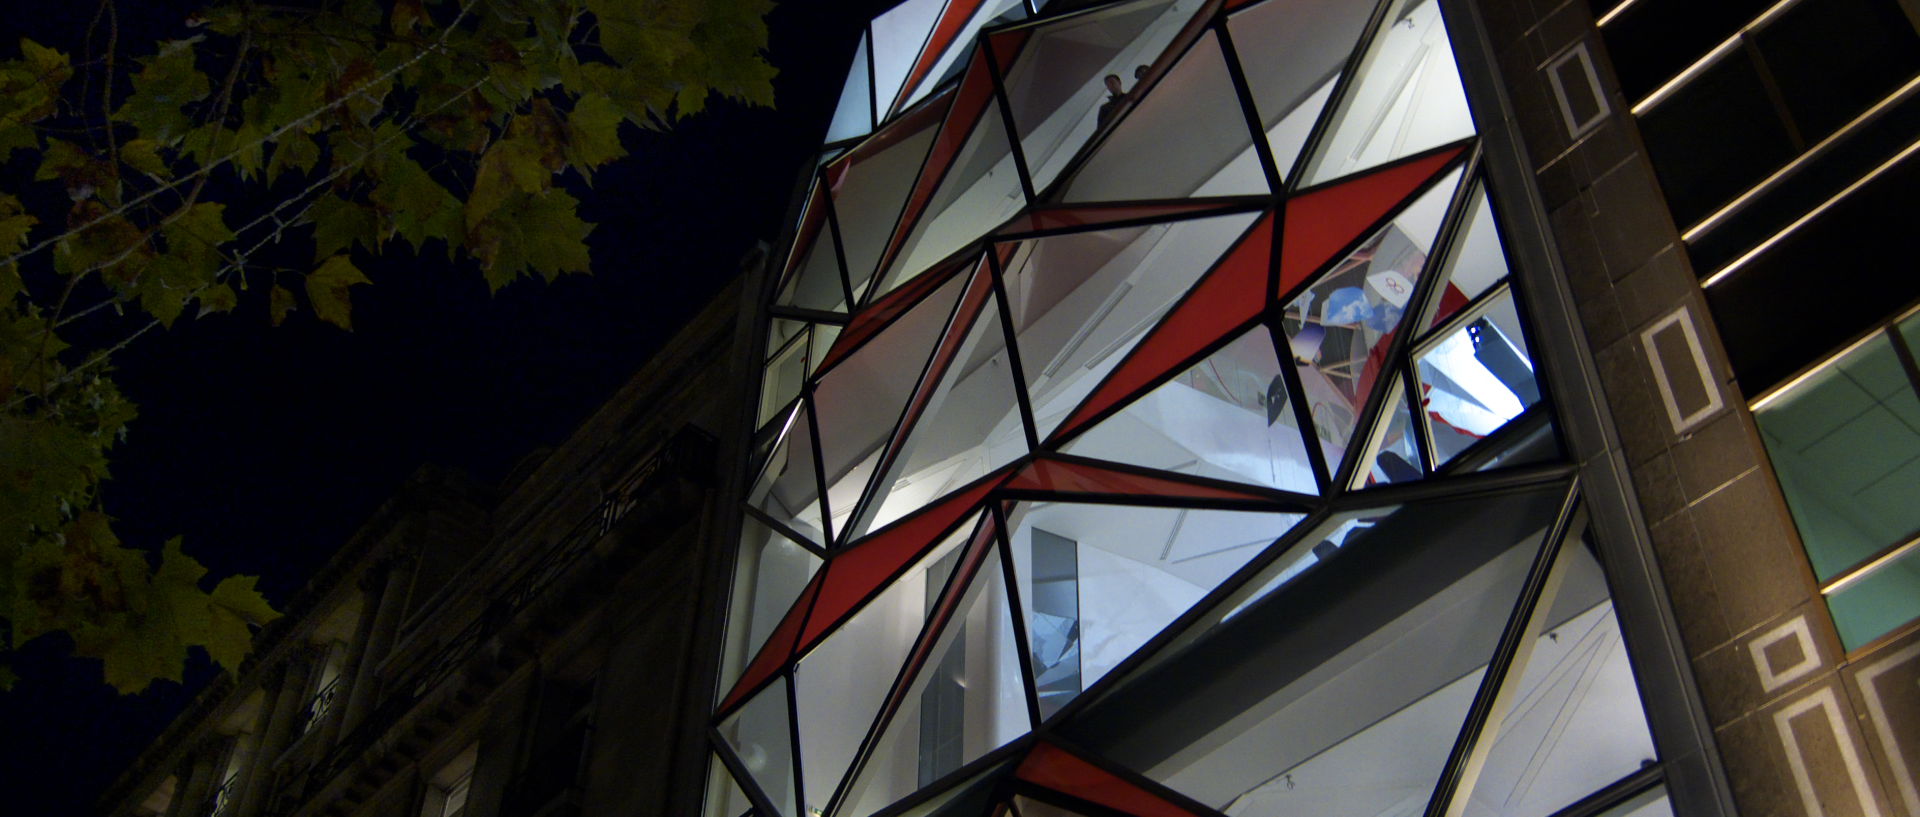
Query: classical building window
[[447, 790], [226, 793], [1844, 439], [328, 686]]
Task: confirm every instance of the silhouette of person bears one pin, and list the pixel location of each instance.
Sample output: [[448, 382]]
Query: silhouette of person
[[1115, 97]]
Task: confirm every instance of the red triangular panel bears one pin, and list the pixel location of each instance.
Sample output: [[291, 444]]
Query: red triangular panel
[[1325, 221], [809, 232], [855, 574], [952, 19], [1092, 216], [774, 654], [1058, 476], [880, 314], [976, 91], [1050, 766], [971, 302], [1227, 297], [1006, 47]]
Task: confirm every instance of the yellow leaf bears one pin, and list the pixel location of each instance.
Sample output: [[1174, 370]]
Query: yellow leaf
[[327, 290]]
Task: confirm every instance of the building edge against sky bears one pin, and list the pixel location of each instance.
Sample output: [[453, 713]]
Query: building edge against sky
[[1339, 422]]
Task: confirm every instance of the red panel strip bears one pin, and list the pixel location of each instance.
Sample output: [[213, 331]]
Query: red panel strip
[[1228, 296], [855, 573], [1056, 476], [1050, 766], [1059, 218], [774, 654], [976, 90], [880, 314], [809, 229], [954, 18], [978, 290], [1323, 222]]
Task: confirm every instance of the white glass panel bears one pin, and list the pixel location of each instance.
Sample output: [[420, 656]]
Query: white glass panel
[[898, 37], [1408, 96], [854, 115]]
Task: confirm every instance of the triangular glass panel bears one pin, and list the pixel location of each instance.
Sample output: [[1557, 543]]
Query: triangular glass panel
[[952, 45], [1475, 262], [1339, 329], [1292, 52], [860, 399], [854, 115], [899, 35], [786, 371], [1343, 692], [969, 697], [813, 276], [1406, 97], [1057, 769], [787, 488], [979, 190], [1228, 296], [971, 797], [840, 685], [960, 427], [1095, 582], [822, 339], [760, 736], [769, 573], [1226, 417], [1194, 107], [1056, 86], [723, 797], [1080, 301], [1093, 216], [1391, 455], [1575, 721], [1475, 376], [869, 187], [1324, 221]]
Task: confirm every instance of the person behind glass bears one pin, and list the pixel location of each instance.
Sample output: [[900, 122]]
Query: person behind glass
[[1115, 98]]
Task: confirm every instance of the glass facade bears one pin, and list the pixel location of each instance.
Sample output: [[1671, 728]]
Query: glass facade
[[1150, 426]]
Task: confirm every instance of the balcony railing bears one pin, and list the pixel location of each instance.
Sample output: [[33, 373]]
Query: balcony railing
[[221, 801], [321, 704]]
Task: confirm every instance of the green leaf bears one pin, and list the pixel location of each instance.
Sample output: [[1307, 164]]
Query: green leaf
[[280, 304], [534, 233], [593, 133], [294, 151], [327, 290], [44, 464], [339, 224], [511, 164], [218, 298], [166, 82], [144, 155], [414, 205], [237, 596]]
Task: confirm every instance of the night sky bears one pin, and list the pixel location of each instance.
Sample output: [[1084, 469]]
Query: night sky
[[266, 448]]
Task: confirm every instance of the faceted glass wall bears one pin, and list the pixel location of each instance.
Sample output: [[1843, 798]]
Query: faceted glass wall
[[1150, 426]]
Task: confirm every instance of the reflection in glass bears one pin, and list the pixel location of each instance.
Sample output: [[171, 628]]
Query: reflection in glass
[[1880, 600], [1475, 376], [1340, 327]]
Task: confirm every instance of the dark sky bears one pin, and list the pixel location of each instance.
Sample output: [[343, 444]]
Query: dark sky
[[266, 448]]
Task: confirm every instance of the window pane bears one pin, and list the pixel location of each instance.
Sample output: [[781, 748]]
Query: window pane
[[1831, 59], [1475, 377], [760, 736], [1715, 137], [769, 572], [1292, 52], [1879, 602], [1343, 692], [1845, 444], [1406, 98]]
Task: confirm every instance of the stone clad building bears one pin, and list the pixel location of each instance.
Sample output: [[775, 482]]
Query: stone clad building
[[1204, 407]]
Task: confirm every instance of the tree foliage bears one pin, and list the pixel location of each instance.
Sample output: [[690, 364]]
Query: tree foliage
[[350, 127]]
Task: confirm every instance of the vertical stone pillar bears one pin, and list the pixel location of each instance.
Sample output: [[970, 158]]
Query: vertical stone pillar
[[380, 622], [286, 711]]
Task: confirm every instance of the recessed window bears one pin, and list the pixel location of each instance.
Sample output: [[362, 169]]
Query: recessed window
[[448, 789]]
